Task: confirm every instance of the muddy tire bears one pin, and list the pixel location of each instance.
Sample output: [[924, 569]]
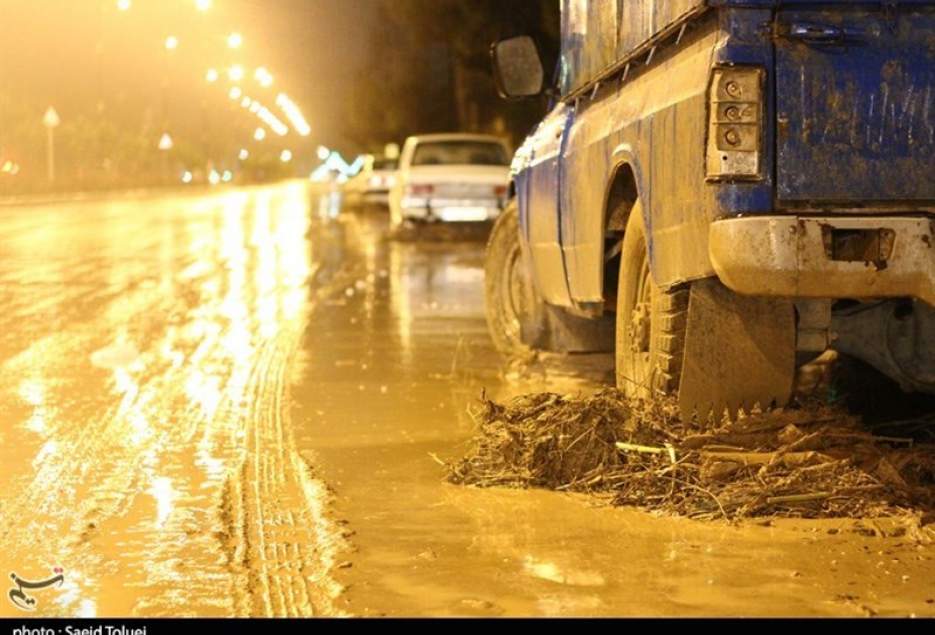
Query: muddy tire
[[650, 321], [512, 304]]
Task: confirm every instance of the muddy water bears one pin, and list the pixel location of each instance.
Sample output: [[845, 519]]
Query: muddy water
[[146, 450], [233, 404], [391, 368]]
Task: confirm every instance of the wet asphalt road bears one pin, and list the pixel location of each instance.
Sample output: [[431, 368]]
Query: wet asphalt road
[[234, 404]]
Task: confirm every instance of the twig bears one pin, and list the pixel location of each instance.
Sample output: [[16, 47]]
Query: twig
[[642, 449], [701, 489], [797, 498]]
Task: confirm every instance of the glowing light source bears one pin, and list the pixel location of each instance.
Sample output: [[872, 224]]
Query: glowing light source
[[123, 5], [272, 121], [214, 178], [187, 176], [259, 134], [202, 5], [255, 107], [244, 154], [235, 73], [323, 153], [235, 93], [212, 75], [227, 177], [234, 40], [264, 77], [293, 114], [246, 102], [286, 156], [172, 43], [165, 142]]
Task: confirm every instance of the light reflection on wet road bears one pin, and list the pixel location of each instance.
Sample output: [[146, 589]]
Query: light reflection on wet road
[[144, 352], [227, 405]]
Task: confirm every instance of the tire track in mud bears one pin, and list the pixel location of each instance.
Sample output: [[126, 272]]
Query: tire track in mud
[[276, 548], [282, 544]]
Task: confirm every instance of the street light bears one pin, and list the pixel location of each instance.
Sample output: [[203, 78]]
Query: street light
[[172, 43], [293, 114], [123, 5], [235, 73], [286, 156], [234, 40], [165, 145], [264, 77], [165, 142], [259, 134], [212, 75], [235, 93], [244, 154], [202, 5]]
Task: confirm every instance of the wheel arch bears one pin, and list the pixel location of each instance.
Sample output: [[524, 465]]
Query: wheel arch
[[621, 195]]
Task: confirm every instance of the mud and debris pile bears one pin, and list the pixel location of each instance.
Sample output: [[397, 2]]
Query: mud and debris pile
[[814, 462]]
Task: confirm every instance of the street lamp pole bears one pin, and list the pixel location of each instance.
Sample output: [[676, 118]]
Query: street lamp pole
[[51, 121]]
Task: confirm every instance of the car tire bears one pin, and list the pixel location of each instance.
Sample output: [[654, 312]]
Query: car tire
[[651, 322], [513, 306]]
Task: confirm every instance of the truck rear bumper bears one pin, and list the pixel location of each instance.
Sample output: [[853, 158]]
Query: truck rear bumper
[[829, 257]]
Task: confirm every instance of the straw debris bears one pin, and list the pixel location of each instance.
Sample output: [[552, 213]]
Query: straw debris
[[796, 463]]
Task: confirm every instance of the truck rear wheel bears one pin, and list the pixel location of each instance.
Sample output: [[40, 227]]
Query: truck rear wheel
[[510, 297], [650, 321]]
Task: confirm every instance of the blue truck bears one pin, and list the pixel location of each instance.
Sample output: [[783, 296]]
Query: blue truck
[[721, 191]]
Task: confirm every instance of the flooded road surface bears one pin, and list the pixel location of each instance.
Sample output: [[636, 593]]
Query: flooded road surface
[[146, 448], [231, 405]]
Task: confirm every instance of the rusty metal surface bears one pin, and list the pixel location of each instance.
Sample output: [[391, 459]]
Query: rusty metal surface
[[739, 352], [788, 256], [855, 115]]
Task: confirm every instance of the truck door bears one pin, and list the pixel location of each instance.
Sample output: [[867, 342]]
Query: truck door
[[540, 215], [854, 102]]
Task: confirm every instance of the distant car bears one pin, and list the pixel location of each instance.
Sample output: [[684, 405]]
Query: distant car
[[371, 187], [451, 178]]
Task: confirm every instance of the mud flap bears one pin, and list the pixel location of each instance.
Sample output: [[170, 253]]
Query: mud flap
[[739, 352]]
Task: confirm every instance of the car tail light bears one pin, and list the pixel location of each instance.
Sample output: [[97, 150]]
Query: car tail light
[[500, 191], [420, 190], [735, 130]]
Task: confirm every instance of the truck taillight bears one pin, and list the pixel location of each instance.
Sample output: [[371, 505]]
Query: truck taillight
[[420, 190], [735, 130], [500, 191]]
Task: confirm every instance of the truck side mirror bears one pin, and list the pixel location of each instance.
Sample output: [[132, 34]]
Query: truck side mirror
[[517, 68]]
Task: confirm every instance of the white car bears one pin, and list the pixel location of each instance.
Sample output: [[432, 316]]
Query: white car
[[371, 187], [451, 178]]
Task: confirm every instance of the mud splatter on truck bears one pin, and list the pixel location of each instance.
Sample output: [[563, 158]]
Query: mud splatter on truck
[[723, 190]]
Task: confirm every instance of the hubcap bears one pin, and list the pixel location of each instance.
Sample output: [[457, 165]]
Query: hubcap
[[640, 320], [515, 290]]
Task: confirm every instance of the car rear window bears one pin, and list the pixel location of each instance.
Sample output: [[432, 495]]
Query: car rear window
[[460, 153]]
